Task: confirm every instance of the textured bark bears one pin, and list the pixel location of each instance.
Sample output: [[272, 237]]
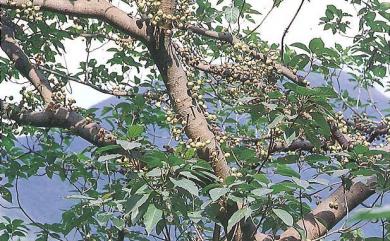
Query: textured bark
[[175, 80], [321, 219], [61, 118]]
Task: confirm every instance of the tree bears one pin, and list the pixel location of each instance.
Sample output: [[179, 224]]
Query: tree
[[245, 124]]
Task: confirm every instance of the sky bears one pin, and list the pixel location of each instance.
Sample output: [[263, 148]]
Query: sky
[[304, 28]]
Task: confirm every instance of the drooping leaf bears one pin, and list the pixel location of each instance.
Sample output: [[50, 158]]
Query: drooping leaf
[[128, 145], [187, 185], [373, 213], [284, 216], [136, 201], [232, 14], [237, 216], [108, 157], [118, 223], [151, 217], [216, 193], [285, 170]]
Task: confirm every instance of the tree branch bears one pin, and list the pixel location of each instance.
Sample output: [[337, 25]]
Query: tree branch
[[52, 117], [381, 129], [339, 137], [298, 144], [231, 39], [89, 8], [22, 63], [331, 210], [60, 118], [175, 80]]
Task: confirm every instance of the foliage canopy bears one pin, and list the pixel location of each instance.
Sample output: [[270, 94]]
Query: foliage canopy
[[216, 134]]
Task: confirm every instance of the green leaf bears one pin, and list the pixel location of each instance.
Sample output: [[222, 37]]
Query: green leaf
[[379, 71], [301, 46], [261, 192], [315, 158], [290, 138], [232, 14], [322, 123], [373, 213], [300, 182], [187, 185], [196, 217], [154, 158], [151, 217], [76, 196], [311, 135], [135, 131], [127, 145], [5, 194], [285, 170], [108, 157], [216, 193], [278, 119], [316, 45], [284, 216], [136, 201], [103, 218], [4, 237], [329, 14], [106, 148], [300, 61], [118, 223], [237, 216], [277, 2], [360, 149]]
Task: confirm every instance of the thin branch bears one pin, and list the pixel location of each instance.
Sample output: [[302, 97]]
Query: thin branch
[[240, 15], [261, 22], [288, 27], [121, 93], [231, 39], [26, 214]]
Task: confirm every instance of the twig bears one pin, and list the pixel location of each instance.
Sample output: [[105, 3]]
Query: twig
[[27, 215], [261, 23], [286, 30], [239, 16], [71, 78]]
